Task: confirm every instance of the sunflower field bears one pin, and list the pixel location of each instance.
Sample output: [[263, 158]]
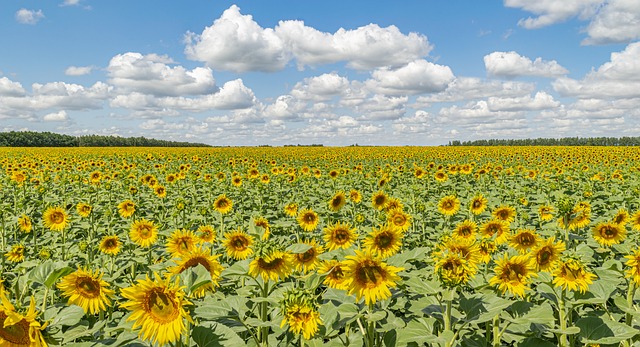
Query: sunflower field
[[313, 246]]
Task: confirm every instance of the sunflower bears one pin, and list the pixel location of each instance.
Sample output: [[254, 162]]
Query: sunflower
[[308, 220], [24, 223], [635, 221], [621, 218], [547, 254], [393, 204], [291, 209], [399, 219], [206, 233], [449, 205], [55, 218], [181, 242], [452, 269], [84, 210], [236, 181], [367, 275], [355, 196], [496, 227], [339, 235], [574, 275], [16, 254], [607, 234], [545, 212], [158, 308], [17, 330], [300, 311], [384, 241], [334, 271], [271, 265], [95, 177], [338, 200], [86, 289], [263, 223], [238, 244], [199, 256], [143, 233], [513, 274], [308, 260], [633, 262], [466, 230], [110, 245], [223, 204], [486, 248], [126, 208], [440, 176], [466, 248], [478, 204], [504, 213], [379, 200], [524, 240]]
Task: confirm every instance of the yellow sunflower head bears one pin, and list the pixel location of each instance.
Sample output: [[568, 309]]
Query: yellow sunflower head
[[633, 264], [399, 219], [335, 274], [355, 196], [236, 181], [379, 200], [143, 233], [369, 277], [200, 256], [110, 245], [158, 309], [449, 205], [523, 240], [263, 223], [24, 223], [308, 260], [308, 220], [223, 204], [621, 218], [86, 289], [513, 274], [441, 176], [545, 213], [547, 254], [453, 269], [55, 218], [16, 254], [339, 235], [181, 242], [84, 210], [270, 263], [384, 241], [504, 213], [291, 209], [635, 221], [238, 244], [486, 248], [574, 275], [338, 200], [496, 227], [206, 233], [478, 204], [20, 330], [126, 208], [300, 311], [466, 230], [607, 234]]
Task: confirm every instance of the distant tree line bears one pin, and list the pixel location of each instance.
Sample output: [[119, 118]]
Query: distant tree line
[[49, 139], [566, 141]]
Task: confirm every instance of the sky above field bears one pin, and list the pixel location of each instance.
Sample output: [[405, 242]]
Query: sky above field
[[321, 72]]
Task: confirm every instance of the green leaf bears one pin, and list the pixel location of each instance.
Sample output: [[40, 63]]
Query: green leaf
[[527, 313], [599, 330], [535, 342], [40, 273], [216, 335], [299, 248], [418, 332], [482, 308], [567, 331], [419, 286], [55, 275], [68, 316]]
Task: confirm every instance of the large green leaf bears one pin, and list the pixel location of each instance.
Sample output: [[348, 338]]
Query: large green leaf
[[604, 331], [215, 335]]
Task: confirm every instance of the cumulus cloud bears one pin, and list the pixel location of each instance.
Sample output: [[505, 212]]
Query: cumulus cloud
[[10, 88], [382, 107], [236, 42], [70, 3], [60, 116], [419, 76], [78, 70], [540, 101], [618, 78], [321, 88], [420, 122], [151, 74], [57, 95], [551, 11], [512, 64], [32, 17], [470, 88]]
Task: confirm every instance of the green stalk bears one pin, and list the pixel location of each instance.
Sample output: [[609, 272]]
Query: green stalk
[[264, 315], [447, 315], [628, 316], [64, 241], [562, 340], [496, 331], [371, 329]]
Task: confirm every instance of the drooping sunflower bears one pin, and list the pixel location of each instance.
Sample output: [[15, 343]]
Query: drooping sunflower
[[200, 256], [384, 241], [16, 254], [633, 264], [55, 218], [86, 289], [504, 213], [143, 233], [126, 208], [110, 245], [181, 242], [466, 248], [223, 204], [300, 311], [291, 209], [609, 233], [339, 235], [466, 230], [335, 274], [206, 233], [574, 275], [238, 244], [449, 205], [524, 240], [452, 269], [84, 210], [263, 223], [355, 196], [621, 218], [18, 330], [158, 309], [369, 277], [496, 227], [271, 264], [308, 260], [478, 204], [308, 220], [547, 254], [24, 223], [379, 200], [545, 212], [338, 200], [513, 274], [399, 219]]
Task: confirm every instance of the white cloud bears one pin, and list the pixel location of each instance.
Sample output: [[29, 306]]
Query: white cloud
[[419, 76], [286, 107], [618, 78], [151, 74], [236, 42], [512, 64], [617, 21], [420, 122], [58, 95], [321, 88], [70, 3], [553, 11], [540, 101], [382, 107], [470, 88], [78, 70], [478, 115], [32, 17], [10, 88], [60, 116]]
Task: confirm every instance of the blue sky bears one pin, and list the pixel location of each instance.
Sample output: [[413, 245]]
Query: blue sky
[[331, 72]]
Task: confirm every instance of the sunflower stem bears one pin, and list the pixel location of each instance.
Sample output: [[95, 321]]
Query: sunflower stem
[[371, 329], [562, 339], [629, 317], [64, 241], [264, 315], [447, 315], [44, 299]]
